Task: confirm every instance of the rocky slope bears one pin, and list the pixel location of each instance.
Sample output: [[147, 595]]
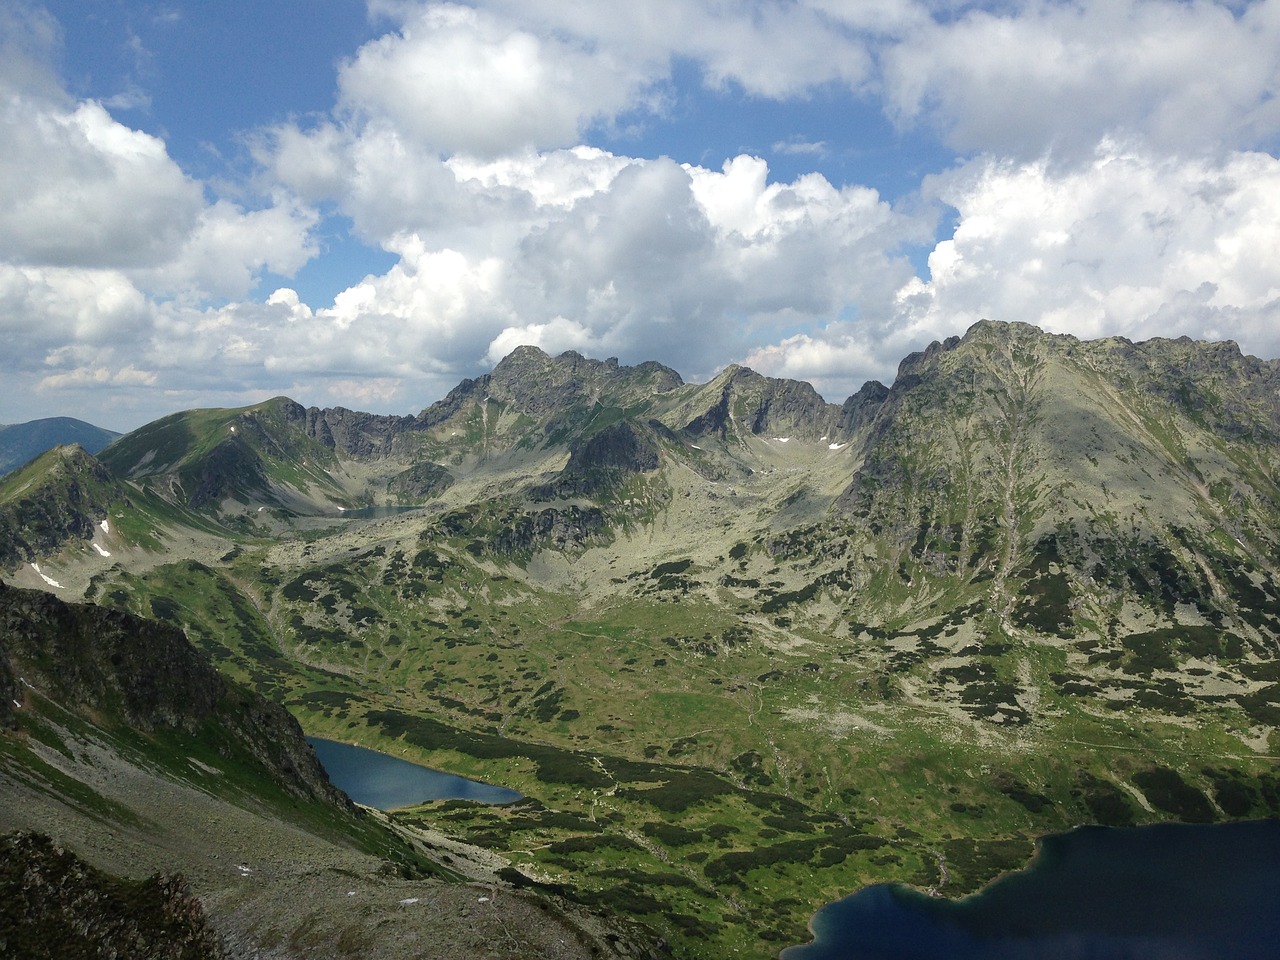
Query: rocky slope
[[60, 496], [121, 742]]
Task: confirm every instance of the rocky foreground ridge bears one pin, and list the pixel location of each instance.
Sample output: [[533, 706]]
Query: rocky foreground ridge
[[53, 905]]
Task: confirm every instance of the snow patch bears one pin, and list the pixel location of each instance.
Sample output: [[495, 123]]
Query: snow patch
[[783, 439], [49, 580], [106, 527], [105, 553], [410, 900], [836, 446]]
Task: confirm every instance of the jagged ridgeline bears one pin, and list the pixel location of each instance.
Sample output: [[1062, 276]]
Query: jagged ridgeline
[[745, 649]]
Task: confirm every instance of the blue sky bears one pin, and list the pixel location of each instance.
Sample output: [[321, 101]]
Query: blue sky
[[362, 203]]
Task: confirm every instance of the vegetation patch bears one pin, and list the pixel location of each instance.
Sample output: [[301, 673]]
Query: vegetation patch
[[1167, 791]]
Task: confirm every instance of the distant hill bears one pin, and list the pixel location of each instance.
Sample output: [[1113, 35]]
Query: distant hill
[[20, 442]]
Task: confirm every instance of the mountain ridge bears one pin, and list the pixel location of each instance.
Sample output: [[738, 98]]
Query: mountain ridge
[[22, 442], [748, 649]]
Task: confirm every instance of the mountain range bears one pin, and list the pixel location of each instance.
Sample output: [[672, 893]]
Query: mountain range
[[743, 650], [20, 442]]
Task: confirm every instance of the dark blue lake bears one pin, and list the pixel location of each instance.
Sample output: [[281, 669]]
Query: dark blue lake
[[1168, 892], [385, 782]]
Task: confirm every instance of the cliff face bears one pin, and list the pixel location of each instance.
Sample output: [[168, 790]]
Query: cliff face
[[118, 668], [543, 386], [605, 460]]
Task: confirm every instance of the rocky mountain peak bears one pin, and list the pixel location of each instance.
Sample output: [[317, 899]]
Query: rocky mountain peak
[[742, 400], [58, 496], [541, 385]]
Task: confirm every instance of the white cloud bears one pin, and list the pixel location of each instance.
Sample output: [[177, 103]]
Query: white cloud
[[79, 189], [42, 308], [455, 79], [801, 148], [555, 336], [128, 376], [456, 143], [1131, 244], [836, 362], [582, 249], [29, 40], [556, 178], [1029, 77], [228, 247], [774, 50]]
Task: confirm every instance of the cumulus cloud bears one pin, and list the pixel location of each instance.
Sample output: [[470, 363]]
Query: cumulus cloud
[[505, 239], [29, 41], [836, 361], [581, 249], [774, 50], [128, 376], [109, 251], [1031, 77], [228, 247], [1112, 178], [42, 308], [1132, 244], [79, 189], [456, 79]]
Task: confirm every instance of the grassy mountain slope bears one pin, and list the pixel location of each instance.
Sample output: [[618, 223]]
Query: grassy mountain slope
[[746, 650], [228, 460], [68, 507]]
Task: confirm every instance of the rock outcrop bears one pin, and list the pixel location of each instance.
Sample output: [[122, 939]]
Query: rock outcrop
[[54, 905]]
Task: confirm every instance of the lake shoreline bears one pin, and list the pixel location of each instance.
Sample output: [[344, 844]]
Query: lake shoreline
[[386, 782], [1006, 910]]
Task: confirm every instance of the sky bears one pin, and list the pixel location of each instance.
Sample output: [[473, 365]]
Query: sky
[[361, 203]]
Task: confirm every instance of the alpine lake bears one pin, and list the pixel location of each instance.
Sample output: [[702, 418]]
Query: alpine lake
[[385, 782], [1163, 892]]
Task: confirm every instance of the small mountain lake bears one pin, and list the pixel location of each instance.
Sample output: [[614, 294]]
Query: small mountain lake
[[385, 782], [1166, 892]]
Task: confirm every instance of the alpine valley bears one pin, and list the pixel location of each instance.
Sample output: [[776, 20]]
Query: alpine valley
[[743, 651]]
